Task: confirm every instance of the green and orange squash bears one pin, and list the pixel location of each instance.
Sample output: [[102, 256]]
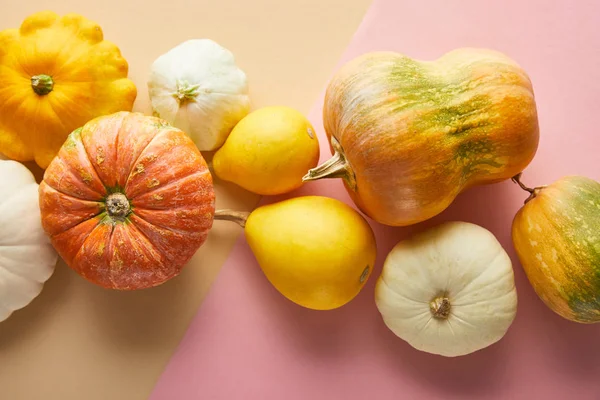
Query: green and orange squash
[[557, 238], [408, 136]]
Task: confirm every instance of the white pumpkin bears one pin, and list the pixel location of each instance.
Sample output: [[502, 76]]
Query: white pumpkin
[[198, 88], [449, 290], [27, 259]]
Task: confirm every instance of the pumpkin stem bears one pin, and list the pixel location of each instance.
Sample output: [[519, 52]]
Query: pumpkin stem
[[336, 167], [533, 192], [185, 91], [517, 179], [42, 84], [440, 307], [117, 206], [238, 217]]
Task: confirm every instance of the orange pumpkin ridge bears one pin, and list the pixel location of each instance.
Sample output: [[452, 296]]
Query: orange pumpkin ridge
[[127, 201]]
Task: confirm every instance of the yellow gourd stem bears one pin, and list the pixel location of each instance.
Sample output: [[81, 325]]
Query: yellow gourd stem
[[239, 217], [336, 167], [533, 192]]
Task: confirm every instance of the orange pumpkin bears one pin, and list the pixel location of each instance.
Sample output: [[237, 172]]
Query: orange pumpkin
[[408, 136], [127, 201]]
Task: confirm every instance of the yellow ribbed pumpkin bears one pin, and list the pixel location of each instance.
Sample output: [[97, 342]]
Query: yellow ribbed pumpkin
[[56, 73]]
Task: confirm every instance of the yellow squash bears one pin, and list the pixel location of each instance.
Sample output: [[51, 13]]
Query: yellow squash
[[56, 73]]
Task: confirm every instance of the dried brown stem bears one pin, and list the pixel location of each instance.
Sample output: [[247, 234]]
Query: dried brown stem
[[440, 307], [533, 192], [239, 217], [336, 167]]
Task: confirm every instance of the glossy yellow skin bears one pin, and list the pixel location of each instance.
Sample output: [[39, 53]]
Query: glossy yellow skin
[[268, 151], [316, 251], [557, 238], [89, 78], [414, 134]]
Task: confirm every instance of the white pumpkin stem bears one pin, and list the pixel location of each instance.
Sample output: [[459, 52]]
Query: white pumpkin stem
[[185, 91], [440, 307], [336, 167], [239, 217]]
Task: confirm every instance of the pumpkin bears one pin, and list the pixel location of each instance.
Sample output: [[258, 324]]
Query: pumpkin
[[448, 290], [556, 235], [27, 259], [127, 201], [56, 73], [408, 136], [197, 87]]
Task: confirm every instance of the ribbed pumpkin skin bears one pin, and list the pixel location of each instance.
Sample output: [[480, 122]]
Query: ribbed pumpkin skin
[[557, 238], [168, 186], [89, 76], [416, 134]]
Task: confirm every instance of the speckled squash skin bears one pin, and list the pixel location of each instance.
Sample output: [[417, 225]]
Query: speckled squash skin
[[147, 238], [414, 134], [557, 238]]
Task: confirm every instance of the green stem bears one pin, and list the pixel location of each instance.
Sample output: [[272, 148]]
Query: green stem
[[42, 84], [185, 91]]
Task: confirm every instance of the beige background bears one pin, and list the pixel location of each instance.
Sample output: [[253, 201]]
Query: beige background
[[77, 341]]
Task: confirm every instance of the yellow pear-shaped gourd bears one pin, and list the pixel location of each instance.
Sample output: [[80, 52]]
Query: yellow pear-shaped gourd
[[316, 251]]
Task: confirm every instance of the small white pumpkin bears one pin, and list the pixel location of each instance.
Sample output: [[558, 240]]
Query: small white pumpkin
[[449, 290], [197, 87], [27, 259]]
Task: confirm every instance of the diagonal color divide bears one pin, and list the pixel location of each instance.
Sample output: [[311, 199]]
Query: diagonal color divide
[[247, 342]]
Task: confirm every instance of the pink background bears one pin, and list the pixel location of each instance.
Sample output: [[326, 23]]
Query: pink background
[[248, 342]]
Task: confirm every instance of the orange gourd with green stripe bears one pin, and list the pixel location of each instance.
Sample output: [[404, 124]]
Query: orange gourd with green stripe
[[557, 237], [408, 136]]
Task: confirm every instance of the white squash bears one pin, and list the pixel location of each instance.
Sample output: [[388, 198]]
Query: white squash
[[27, 259], [448, 290], [198, 88]]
